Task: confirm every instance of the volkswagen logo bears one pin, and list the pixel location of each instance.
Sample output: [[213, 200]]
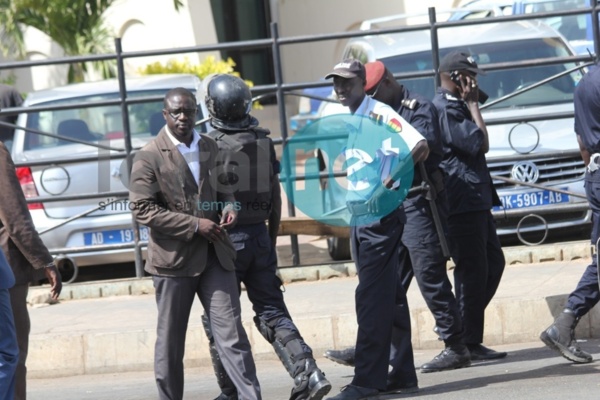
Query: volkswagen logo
[[525, 171]]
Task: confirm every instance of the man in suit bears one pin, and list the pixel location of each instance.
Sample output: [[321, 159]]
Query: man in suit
[[26, 254], [9, 350], [174, 193]]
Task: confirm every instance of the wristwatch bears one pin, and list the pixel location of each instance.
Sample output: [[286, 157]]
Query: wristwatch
[[50, 265]]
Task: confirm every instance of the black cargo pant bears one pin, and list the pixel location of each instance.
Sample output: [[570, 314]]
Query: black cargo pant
[[375, 252], [256, 267], [421, 256], [587, 293], [479, 261]]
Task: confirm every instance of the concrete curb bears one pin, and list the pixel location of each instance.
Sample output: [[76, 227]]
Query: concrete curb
[[566, 251], [64, 354]]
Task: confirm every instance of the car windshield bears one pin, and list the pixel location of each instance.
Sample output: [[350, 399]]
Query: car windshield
[[572, 27], [92, 124], [499, 83]]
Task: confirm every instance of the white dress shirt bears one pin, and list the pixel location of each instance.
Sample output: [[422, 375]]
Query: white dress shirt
[[190, 154]]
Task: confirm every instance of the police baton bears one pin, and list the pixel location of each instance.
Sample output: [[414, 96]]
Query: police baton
[[430, 194]]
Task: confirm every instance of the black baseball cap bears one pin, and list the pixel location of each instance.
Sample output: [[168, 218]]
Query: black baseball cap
[[348, 69], [457, 61]]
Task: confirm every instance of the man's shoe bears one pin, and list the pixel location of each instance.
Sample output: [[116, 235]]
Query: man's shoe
[[344, 357], [352, 392], [452, 357], [436, 330], [223, 396], [480, 352], [560, 337], [400, 387]]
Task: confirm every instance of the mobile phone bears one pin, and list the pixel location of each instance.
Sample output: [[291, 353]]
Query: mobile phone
[[483, 96]]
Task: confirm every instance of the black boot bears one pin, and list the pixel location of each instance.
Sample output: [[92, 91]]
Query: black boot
[[560, 337], [344, 357], [310, 383], [452, 357]]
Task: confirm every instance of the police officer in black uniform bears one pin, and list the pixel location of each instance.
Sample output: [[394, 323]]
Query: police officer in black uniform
[[560, 335], [421, 252], [474, 244], [249, 168]]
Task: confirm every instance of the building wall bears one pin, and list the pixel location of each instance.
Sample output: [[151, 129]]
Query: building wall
[[145, 25], [311, 61], [154, 24]]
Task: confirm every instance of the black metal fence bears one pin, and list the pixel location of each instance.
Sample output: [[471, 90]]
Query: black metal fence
[[279, 89]]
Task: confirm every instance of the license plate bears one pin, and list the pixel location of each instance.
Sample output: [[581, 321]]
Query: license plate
[[532, 199], [114, 236]]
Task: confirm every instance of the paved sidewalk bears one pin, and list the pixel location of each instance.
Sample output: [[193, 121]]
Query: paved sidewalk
[[92, 334]]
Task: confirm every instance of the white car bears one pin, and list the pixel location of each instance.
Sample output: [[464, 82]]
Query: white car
[[532, 140], [62, 168]]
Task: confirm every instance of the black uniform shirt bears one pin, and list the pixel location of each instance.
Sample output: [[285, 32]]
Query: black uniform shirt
[[468, 182], [587, 114], [423, 116]]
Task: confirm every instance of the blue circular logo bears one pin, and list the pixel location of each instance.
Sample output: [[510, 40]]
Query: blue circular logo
[[334, 169]]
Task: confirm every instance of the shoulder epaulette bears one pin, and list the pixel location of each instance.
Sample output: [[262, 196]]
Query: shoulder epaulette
[[411, 104]]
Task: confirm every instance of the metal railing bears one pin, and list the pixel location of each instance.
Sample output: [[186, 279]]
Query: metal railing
[[279, 89]]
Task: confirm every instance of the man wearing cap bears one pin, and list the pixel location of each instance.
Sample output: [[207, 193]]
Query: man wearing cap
[[375, 243], [472, 237], [421, 252]]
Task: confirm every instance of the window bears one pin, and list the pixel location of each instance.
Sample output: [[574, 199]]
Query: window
[[237, 20], [93, 124], [499, 83]]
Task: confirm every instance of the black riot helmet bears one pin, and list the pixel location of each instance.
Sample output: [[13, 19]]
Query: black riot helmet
[[229, 101]]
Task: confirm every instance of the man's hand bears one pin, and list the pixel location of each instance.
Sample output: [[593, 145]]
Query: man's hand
[[228, 218], [55, 280], [211, 231], [468, 89]]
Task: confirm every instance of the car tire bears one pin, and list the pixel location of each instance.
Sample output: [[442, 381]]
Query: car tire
[[339, 248]]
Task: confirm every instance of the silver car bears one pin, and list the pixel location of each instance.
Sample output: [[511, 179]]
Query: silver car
[[577, 29], [51, 174]]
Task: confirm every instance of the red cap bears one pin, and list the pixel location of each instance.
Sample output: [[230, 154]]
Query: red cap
[[375, 72]]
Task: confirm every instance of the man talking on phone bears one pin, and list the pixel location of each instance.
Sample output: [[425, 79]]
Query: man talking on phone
[[472, 238]]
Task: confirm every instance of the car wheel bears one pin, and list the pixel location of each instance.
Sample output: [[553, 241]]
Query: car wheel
[[339, 248]]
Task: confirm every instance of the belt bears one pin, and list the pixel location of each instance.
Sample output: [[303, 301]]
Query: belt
[[357, 208], [593, 165]]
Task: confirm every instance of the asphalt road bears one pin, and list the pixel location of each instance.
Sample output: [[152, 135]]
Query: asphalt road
[[530, 372]]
